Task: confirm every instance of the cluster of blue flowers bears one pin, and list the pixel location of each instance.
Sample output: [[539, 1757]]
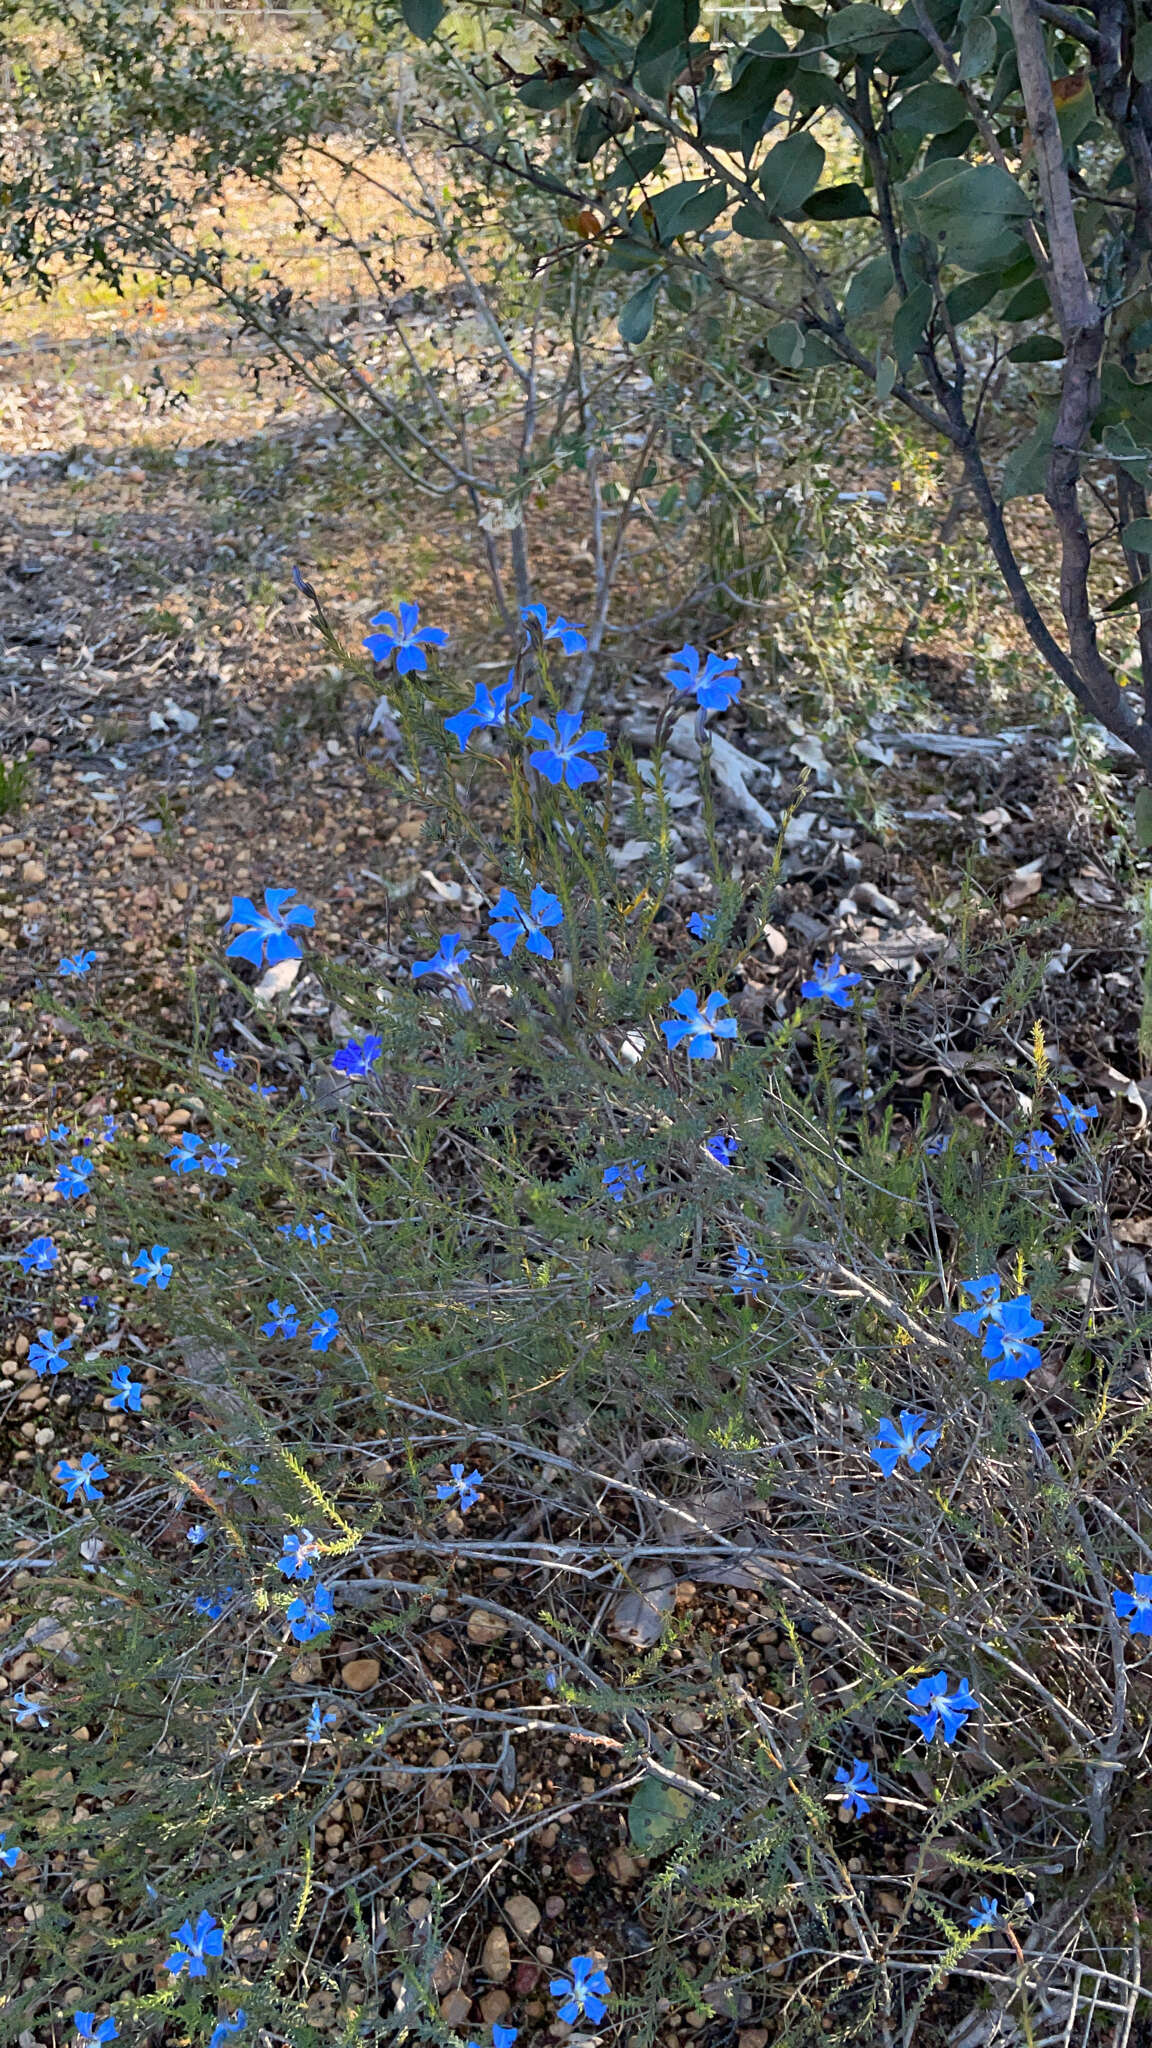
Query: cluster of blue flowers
[[559, 751]]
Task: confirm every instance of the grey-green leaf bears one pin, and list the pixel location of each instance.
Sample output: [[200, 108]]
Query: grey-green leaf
[[1143, 816], [790, 173], [657, 1815], [635, 318], [1026, 469], [1137, 536], [786, 343], [978, 50], [910, 323], [869, 288], [423, 17]]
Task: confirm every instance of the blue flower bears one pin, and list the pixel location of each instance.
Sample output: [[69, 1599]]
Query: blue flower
[[263, 1089], [715, 685], [46, 1355], [618, 1179], [213, 1605], [9, 1856], [282, 1322], [1137, 1605], [40, 1256], [218, 1158], [88, 2032], [747, 1269], [702, 924], [468, 1487], [324, 1329], [205, 1939], [700, 1027], [988, 1916], [197, 1534], [26, 1711], [249, 1478], [1072, 1119], [308, 1233], [663, 1306], [308, 1618], [318, 1722], [722, 1148], [81, 1479], [183, 1159], [489, 710], [1035, 1151], [1010, 1357], [358, 1060], [571, 638], [447, 962], [268, 932], [126, 1391], [58, 1133], [833, 981], [911, 1441], [583, 1993], [403, 637], [510, 924], [503, 2037], [299, 1551], [77, 964], [226, 1061], [559, 759], [151, 1265], [72, 1180], [89, 1301], [857, 1783], [985, 1290], [108, 1128], [944, 1712], [223, 2028], [936, 1146]]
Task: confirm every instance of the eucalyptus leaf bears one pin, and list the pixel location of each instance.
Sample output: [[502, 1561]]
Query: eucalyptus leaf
[[1038, 348], [909, 325], [423, 17], [978, 50], [790, 173], [671, 24], [1026, 470], [1137, 537], [635, 318], [839, 202], [657, 1815], [869, 288]]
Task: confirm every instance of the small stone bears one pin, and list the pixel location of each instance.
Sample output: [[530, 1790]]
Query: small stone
[[524, 1914], [621, 1867], [456, 2008], [889, 1903], [580, 1867], [361, 1673], [484, 1627], [449, 1970], [496, 1959], [493, 2006], [752, 2037], [526, 1979], [420, 1908], [824, 1634], [32, 871], [554, 1906]]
